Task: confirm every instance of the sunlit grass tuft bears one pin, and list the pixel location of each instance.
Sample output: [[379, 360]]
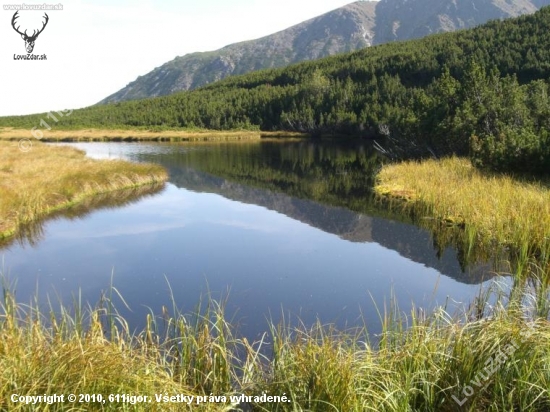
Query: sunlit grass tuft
[[48, 178], [494, 209]]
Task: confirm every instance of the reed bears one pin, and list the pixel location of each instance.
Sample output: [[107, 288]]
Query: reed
[[493, 209], [91, 351], [419, 362], [50, 178]]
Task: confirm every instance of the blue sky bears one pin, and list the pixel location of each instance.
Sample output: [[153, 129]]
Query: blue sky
[[94, 48]]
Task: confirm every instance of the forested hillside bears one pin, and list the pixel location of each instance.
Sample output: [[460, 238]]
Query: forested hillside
[[348, 28], [482, 91]]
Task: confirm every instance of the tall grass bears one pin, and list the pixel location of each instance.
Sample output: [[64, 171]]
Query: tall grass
[[78, 350], [46, 179], [417, 363], [419, 367], [493, 209]]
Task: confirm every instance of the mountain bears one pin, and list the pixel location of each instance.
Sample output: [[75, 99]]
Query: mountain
[[345, 29], [482, 92], [355, 26], [408, 19]]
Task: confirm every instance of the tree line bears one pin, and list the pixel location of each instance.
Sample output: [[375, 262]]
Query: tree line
[[481, 92]]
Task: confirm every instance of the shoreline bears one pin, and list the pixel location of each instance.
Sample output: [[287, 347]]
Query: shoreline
[[490, 209], [49, 179], [442, 356], [91, 134], [447, 359]]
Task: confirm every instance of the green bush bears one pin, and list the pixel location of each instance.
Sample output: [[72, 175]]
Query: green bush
[[512, 150]]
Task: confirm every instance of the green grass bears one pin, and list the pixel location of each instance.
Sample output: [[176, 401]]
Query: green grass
[[46, 179], [417, 363], [492, 209]]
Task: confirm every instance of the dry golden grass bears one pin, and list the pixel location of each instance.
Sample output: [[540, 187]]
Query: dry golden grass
[[46, 179], [498, 208], [419, 363], [64, 353], [10, 133]]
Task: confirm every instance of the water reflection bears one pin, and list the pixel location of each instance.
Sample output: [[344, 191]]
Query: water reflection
[[327, 186], [32, 233], [285, 226]]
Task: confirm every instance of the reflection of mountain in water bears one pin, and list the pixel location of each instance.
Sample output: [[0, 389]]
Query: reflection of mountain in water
[[408, 240]]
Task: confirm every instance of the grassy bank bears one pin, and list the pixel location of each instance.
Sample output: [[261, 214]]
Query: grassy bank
[[45, 179], [140, 134], [491, 357], [33, 232], [493, 209], [420, 363]]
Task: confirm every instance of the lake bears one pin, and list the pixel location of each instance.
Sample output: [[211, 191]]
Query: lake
[[276, 228]]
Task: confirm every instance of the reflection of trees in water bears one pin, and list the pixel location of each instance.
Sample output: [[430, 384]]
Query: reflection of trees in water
[[332, 173], [32, 233], [324, 185]]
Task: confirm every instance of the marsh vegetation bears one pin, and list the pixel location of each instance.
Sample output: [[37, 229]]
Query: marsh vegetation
[[418, 360], [47, 179], [493, 357]]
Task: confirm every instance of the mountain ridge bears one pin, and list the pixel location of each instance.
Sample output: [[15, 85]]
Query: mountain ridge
[[480, 93], [406, 19], [351, 27], [318, 37]]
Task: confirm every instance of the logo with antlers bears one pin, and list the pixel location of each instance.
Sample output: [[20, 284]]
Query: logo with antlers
[[29, 40]]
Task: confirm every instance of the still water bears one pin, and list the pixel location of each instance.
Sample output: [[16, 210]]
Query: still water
[[277, 228]]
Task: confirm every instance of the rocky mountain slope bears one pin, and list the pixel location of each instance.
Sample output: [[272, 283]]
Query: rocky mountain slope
[[355, 26], [408, 19], [345, 29]]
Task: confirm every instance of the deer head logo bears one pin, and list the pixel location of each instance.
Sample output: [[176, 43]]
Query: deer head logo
[[29, 40]]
